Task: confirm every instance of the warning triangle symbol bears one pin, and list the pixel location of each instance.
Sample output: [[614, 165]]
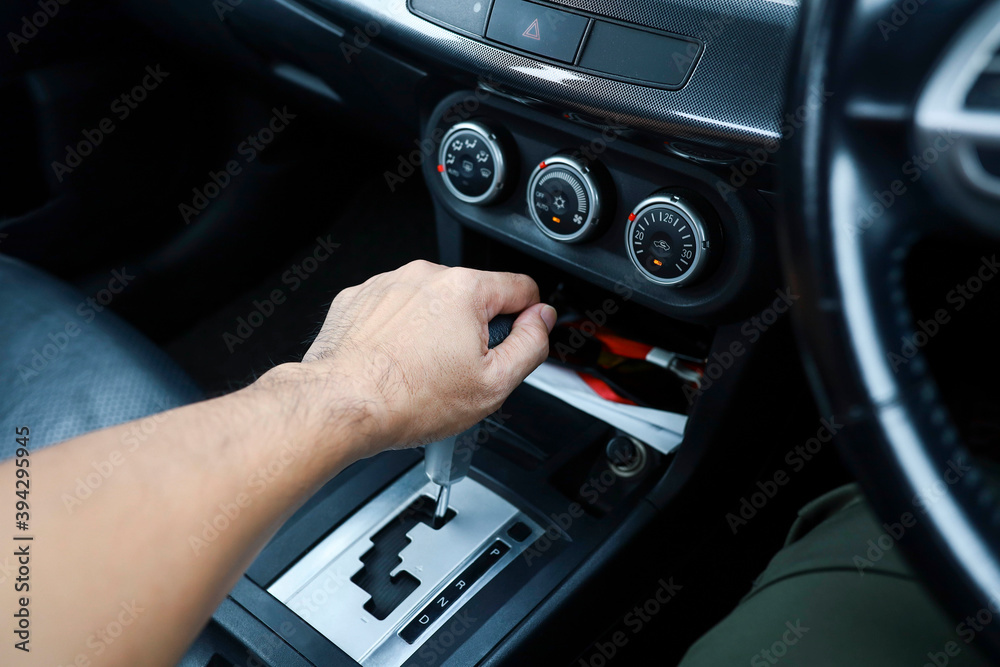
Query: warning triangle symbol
[[532, 31]]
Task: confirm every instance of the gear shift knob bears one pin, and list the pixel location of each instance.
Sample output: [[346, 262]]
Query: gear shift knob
[[447, 461], [499, 328]]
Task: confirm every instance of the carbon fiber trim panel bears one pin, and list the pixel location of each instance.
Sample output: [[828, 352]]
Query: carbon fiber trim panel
[[734, 97]]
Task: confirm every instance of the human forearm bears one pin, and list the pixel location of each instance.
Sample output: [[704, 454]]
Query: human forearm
[[166, 534], [126, 569]]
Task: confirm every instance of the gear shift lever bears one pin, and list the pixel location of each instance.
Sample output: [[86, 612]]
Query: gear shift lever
[[447, 461]]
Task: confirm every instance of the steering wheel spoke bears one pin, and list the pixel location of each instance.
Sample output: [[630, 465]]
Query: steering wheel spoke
[[961, 99]]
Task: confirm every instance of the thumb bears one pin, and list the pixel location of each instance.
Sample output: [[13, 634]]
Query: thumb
[[525, 348]]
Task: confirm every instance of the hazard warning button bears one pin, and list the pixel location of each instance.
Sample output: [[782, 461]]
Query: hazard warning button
[[548, 32]]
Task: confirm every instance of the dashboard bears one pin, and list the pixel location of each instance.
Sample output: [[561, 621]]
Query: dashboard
[[732, 96], [665, 109]]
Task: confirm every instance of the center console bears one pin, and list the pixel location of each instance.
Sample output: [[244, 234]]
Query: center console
[[361, 575], [620, 154]]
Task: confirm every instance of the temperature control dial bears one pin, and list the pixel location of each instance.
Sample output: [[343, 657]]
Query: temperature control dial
[[668, 240], [564, 199], [472, 163]]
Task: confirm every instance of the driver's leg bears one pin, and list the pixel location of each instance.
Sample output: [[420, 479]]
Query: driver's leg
[[829, 598]]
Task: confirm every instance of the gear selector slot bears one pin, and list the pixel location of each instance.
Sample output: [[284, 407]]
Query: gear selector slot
[[375, 578], [387, 567]]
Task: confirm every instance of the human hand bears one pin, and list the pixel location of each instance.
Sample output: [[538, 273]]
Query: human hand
[[406, 352]]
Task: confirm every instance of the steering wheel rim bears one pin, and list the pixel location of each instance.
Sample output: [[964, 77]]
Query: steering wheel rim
[[898, 436]]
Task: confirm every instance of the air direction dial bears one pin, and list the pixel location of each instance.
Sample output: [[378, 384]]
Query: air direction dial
[[472, 163]]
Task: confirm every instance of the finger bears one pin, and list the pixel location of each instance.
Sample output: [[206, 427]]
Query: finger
[[524, 350], [505, 293]]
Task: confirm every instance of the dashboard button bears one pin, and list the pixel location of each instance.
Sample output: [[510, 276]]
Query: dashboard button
[[467, 15], [519, 531], [637, 54], [542, 30]]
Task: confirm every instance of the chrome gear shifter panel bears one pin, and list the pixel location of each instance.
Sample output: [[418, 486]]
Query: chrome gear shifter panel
[[451, 564]]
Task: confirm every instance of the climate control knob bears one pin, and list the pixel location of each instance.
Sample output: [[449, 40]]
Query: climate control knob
[[472, 163], [668, 240], [564, 199]]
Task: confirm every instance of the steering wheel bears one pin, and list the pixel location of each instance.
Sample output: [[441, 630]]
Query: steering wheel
[[885, 90]]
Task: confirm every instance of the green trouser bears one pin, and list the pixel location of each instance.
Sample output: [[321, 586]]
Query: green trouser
[[840, 594]]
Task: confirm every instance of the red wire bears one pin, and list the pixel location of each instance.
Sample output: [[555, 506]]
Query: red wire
[[615, 344], [602, 389]]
